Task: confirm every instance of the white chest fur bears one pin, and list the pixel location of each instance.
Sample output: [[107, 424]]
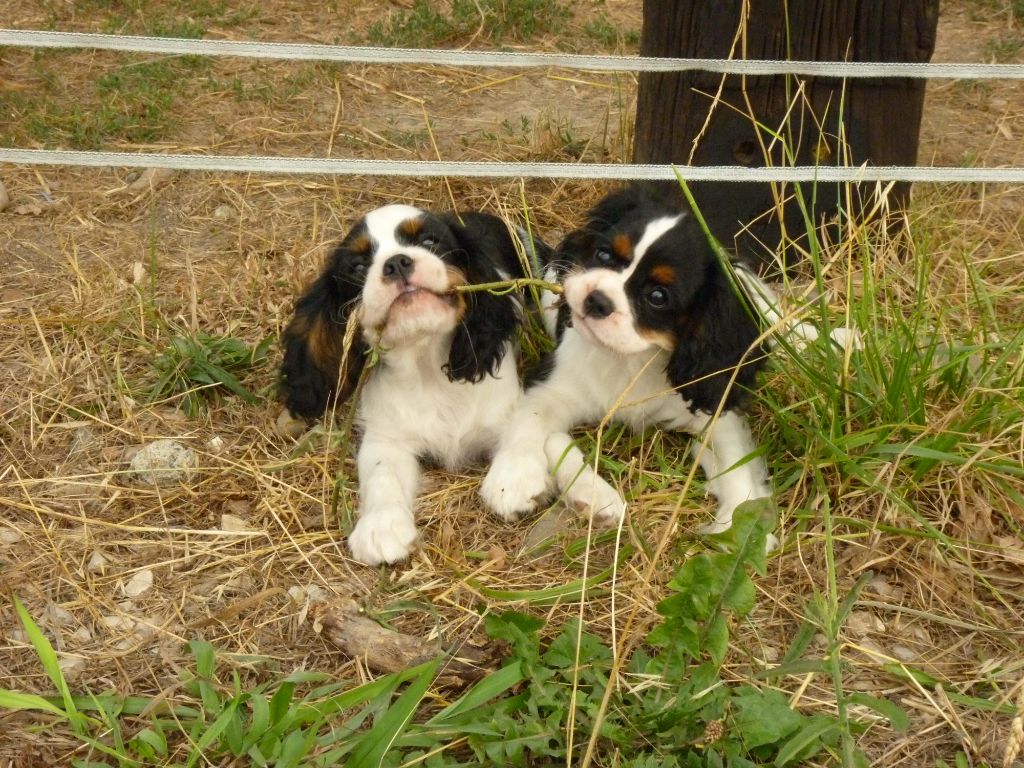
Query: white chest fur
[[409, 400], [633, 388]]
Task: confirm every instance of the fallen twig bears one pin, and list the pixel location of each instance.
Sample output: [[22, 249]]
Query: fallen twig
[[385, 650]]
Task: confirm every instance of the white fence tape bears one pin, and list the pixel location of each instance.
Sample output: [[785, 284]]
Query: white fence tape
[[434, 168], [370, 55]]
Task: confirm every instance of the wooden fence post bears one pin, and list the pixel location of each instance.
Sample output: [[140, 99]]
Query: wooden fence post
[[824, 120]]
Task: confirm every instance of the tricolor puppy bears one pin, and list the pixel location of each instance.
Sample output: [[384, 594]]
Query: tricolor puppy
[[652, 331], [445, 382]]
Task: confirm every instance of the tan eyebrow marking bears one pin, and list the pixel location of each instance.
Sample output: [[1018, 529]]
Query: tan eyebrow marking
[[663, 274], [361, 244], [411, 227], [623, 247]]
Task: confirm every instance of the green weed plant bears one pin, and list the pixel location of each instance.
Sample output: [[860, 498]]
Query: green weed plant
[[197, 367]]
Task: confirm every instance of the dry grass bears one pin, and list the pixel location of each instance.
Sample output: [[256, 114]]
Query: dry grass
[[94, 281]]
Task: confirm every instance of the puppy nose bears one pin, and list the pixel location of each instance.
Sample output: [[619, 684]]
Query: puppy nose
[[597, 305], [398, 267]]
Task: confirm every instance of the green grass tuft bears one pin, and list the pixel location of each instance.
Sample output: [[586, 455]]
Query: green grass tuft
[[425, 26], [198, 366]]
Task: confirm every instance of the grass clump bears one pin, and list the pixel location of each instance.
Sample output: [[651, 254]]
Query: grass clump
[[197, 367], [424, 25], [134, 103], [609, 35]]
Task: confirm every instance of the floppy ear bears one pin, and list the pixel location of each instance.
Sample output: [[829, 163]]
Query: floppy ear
[[315, 367], [617, 205], [489, 321], [712, 336]]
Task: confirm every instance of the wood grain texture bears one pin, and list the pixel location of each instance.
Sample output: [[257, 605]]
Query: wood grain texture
[[831, 123]]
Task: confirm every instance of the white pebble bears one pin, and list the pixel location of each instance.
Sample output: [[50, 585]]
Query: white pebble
[[139, 583]]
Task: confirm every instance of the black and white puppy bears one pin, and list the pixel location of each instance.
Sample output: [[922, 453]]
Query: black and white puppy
[[445, 382], [653, 331]]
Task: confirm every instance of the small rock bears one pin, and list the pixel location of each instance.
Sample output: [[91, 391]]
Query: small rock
[[97, 563], [861, 623], [5, 199], [10, 536], [234, 524], [81, 635], [164, 462], [57, 616], [288, 426], [138, 273], [311, 593], [223, 212], [139, 583], [903, 653], [70, 666], [29, 209], [118, 623], [238, 507], [215, 444], [881, 586]]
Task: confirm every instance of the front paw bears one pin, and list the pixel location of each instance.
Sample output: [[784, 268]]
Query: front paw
[[592, 495], [384, 536], [516, 485]]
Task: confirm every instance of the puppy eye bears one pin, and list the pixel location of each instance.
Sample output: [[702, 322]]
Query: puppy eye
[[602, 256], [657, 297], [358, 268], [427, 241]]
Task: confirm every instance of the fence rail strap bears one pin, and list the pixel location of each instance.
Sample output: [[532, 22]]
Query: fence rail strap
[[373, 55], [436, 168]]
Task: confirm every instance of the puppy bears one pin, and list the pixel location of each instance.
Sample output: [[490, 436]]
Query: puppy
[[445, 381], [653, 331]]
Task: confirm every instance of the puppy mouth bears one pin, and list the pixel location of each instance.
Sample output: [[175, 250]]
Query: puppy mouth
[[411, 293], [582, 324], [413, 296]]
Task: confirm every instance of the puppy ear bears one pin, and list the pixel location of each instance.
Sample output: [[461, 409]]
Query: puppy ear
[[315, 367], [616, 206], [489, 321], [713, 336]]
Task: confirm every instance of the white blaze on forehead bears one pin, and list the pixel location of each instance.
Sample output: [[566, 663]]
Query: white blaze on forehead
[[383, 223], [652, 232]]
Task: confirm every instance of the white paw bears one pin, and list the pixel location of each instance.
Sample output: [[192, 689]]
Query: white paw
[[592, 495], [516, 484], [847, 338], [383, 536]]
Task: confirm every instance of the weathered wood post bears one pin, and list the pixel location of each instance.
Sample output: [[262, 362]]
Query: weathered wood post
[[829, 122]]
